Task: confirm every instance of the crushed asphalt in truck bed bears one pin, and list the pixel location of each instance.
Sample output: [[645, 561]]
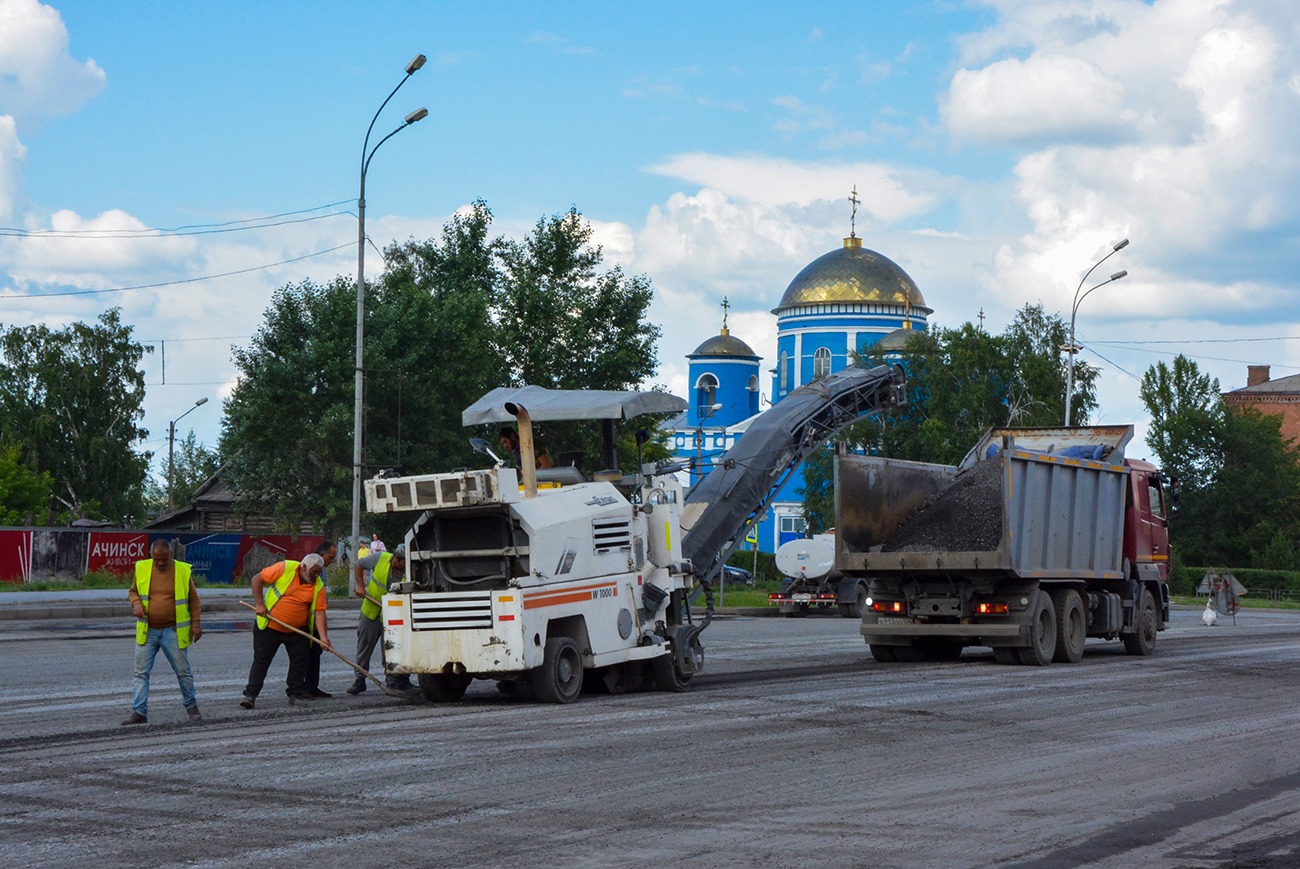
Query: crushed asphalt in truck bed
[[965, 517]]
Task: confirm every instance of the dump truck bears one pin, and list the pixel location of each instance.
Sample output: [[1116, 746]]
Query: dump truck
[[813, 582], [546, 580], [1037, 540]]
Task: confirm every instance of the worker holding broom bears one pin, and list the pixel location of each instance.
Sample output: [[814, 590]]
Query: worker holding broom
[[288, 595]]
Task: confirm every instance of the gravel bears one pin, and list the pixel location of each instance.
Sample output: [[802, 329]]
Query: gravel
[[965, 517]]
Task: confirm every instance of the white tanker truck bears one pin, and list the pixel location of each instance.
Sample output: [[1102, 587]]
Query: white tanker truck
[[814, 582]]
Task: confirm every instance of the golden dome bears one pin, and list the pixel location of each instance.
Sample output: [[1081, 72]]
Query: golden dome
[[724, 345], [852, 274]]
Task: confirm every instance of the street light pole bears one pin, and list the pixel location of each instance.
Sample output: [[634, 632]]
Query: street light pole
[[705, 414], [171, 451], [1074, 310], [366, 153]]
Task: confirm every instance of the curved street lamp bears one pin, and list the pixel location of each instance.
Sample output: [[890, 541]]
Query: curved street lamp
[[1072, 347], [366, 154], [171, 444]]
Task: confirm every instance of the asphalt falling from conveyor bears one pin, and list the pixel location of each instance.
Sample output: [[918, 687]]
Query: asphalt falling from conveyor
[[965, 517]]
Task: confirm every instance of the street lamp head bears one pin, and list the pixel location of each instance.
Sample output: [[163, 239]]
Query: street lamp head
[[415, 64], [417, 115], [1119, 274], [1120, 245], [201, 401]]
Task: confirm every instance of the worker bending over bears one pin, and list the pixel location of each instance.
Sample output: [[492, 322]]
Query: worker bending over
[[290, 592]]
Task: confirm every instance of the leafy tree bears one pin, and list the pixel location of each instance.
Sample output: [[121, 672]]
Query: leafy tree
[[450, 319], [1188, 420], [1252, 498], [24, 493], [72, 398]]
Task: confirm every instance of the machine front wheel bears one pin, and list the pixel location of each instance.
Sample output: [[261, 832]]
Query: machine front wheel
[[667, 676], [443, 687]]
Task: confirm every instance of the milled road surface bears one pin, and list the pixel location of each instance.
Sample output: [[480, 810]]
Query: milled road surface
[[794, 749]]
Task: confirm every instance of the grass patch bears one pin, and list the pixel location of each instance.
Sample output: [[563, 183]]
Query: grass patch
[[1247, 603]]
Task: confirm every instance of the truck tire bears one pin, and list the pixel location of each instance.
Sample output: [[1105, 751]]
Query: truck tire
[[855, 609], [443, 687], [1143, 640], [1071, 626], [1042, 632], [883, 654], [559, 679]]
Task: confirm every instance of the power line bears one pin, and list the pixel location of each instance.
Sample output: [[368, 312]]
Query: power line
[[1206, 340], [241, 225], [179, 282]]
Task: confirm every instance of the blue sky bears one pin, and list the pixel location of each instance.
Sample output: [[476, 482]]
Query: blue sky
[[999, 147]]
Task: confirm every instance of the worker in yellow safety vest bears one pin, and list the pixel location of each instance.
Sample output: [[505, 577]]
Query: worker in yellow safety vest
[[384, 568], [166, 607], [288, 594]]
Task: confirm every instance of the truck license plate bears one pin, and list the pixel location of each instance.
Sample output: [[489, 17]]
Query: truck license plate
[[801, 598], [892, 620]]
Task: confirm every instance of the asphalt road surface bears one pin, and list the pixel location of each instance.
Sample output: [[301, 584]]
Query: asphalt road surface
[[794, 749]]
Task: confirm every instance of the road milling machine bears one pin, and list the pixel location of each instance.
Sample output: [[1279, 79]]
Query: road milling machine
[[546, 580]]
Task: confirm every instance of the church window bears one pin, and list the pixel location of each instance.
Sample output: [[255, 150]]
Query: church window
[[785, 372], [821, 362], [706, 392]]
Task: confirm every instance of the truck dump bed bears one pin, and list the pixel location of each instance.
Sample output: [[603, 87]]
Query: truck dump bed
[[1025, 502]]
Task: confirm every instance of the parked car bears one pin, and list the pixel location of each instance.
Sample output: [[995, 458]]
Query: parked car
[[737, 575]]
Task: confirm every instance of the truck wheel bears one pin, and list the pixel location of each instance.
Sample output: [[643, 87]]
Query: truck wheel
[[559, 679], [1042, 632], [443, 687], [1143, 640], [883, 654], [855, 609], [907, 654], [1071, 626], [667, 676]]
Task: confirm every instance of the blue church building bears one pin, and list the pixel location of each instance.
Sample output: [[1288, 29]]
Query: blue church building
[[841, 303]]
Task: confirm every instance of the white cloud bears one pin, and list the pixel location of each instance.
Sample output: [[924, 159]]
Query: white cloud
[[888, 193], [12, 153], [39, 78], [1043, 97]]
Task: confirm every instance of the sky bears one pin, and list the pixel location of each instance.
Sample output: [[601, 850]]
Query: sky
[[999, 148]]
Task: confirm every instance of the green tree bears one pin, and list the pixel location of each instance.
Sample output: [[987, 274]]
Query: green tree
[[72, 398], [1188, 421], [449, 319], [24, 493], [1253, 496]]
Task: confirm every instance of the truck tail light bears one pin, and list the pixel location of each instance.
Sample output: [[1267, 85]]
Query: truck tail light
[[991, 609], [888, 606]]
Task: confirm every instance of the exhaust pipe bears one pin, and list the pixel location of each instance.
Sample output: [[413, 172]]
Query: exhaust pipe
[[527, 452]]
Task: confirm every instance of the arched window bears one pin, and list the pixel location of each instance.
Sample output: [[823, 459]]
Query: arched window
[[706, 395], [753, 383], [821, 362], [784, 373]]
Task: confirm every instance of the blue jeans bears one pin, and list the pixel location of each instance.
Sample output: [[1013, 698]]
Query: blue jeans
[[165, 639]]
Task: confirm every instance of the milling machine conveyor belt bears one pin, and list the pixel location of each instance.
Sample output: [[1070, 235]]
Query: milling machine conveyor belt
[[747, 477]]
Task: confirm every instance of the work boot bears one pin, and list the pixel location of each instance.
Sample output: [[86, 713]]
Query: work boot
[[136, 718], [318, 693], [247, 701], [357, 687], [300, 697], [193, 712]]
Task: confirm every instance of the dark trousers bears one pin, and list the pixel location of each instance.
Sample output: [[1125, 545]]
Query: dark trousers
[[311, 670], [266, 641]]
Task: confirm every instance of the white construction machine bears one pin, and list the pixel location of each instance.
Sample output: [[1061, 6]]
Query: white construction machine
[[545, 580]]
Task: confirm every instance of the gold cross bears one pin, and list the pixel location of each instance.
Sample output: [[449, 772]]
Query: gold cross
[[853, 218], [725, 306]]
